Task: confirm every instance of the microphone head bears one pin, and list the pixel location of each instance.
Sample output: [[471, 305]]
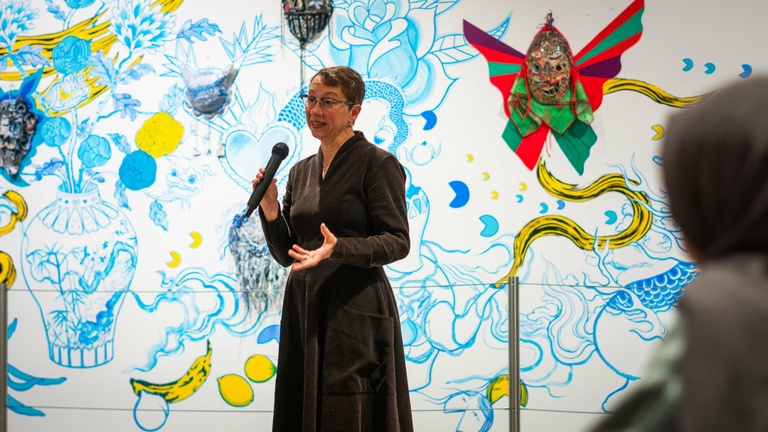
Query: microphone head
[[280, 150]]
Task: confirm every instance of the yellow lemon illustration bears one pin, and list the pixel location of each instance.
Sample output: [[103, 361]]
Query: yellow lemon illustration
[[159, 135], [259, 368], [235, 390], [499, 387]]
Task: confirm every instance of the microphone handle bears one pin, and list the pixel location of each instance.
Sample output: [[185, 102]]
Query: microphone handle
[[266, 180]]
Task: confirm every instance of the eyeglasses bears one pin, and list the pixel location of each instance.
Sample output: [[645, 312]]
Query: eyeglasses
[[326, 104]]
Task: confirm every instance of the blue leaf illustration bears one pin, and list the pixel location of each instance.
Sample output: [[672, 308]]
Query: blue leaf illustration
[[44, 266], [121, 142], [48, 168], [103, 69], [453, 49], [29, 55], [126, 105], [172, 100], [84, 129], [56, 11], [158, 215], [136, 72], [122, 199], [197, 30]]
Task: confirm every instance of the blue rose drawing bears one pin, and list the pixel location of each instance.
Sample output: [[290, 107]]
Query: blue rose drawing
[[94, 151], [71, 54], [55, 131], [138, 170], [79, 4]]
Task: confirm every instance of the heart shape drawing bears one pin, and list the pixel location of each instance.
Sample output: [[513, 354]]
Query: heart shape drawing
[[244, 153]]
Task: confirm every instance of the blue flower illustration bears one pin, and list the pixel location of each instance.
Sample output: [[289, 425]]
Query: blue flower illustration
[[71, 55], [138, 170], [385, 39], [79, 4], [94, 151], [141, 27], [16, 17], [55, 131]]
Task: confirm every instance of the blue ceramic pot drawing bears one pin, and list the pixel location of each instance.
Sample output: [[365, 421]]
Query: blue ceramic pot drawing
[[78, 259]]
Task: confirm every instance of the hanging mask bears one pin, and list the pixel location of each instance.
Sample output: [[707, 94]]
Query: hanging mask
[[17, 127], [549, 63], [209, 91]]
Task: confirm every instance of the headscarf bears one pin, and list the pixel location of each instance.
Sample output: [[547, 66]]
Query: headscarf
[[715, 163]]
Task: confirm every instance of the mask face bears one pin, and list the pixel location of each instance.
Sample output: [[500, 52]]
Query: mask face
[[17, 128], [549, 64]]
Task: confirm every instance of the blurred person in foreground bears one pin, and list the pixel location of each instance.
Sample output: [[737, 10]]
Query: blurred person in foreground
[[711, 374], [341, 364]]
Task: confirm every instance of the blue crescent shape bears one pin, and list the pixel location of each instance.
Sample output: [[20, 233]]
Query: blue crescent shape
[[560, 204], [431, 119], [747, 71], [710, 68], [544, 208], [462, 194], [519, 198], [688, 64], [268, 334], [491, 225], [611, 215]]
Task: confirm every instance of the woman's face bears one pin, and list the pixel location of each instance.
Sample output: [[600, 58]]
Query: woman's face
[[326, 125]]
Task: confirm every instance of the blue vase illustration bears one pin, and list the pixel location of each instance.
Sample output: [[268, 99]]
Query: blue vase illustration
[[78, 259]]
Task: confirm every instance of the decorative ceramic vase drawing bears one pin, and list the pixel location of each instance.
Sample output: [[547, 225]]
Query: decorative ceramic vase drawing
[[79, 256]]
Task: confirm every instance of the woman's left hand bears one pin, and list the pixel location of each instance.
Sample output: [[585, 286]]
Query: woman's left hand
[[304, 259]]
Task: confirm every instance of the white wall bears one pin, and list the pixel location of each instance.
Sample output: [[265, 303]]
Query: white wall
[[588, 324]]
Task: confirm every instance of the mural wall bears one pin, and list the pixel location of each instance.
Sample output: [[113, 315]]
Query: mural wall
[[141, 298]]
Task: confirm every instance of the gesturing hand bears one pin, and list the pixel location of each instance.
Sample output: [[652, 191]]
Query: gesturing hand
[[304, 259]]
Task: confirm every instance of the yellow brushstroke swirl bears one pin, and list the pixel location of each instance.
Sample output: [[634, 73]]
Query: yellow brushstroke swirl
[[656, 93], [561, 226]]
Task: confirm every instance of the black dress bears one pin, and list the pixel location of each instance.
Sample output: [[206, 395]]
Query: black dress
[[341, 365]]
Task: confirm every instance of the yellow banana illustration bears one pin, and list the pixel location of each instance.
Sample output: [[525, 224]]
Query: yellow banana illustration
[[18, 216], [558, 225], [183, 387], [7, 270]]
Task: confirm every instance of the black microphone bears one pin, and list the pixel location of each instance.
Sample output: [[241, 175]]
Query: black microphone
[[279, 152]]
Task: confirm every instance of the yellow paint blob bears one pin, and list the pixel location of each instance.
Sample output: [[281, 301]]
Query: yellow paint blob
[[175, 260], [159, 135], [197, 239], [235, 390], [259, 368]]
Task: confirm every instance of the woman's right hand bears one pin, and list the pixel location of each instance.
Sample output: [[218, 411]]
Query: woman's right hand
[[269, 204]]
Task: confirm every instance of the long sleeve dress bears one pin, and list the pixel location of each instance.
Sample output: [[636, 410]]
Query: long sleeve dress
[[341, 364]]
